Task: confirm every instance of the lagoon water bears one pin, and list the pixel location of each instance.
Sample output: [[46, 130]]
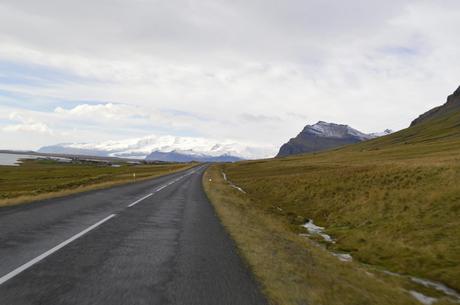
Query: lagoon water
[[14, 159]]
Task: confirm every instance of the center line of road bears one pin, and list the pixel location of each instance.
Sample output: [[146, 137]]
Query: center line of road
[[160, 188], [42, 256], [172, 182], [32, 262], [139, 200]]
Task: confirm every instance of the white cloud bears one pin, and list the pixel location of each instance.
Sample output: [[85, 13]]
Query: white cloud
[[254, 71], [26, 125], [108, 111], [29, 127]]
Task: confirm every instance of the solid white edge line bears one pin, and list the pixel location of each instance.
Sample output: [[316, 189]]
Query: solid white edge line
[[32, 262], [139, 200]]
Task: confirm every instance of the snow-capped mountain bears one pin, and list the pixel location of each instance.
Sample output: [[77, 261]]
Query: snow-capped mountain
[[165, 148], [323, 135], [380, 134], [331, 130]]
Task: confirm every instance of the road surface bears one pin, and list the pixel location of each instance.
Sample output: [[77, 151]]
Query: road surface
[[152, 242]]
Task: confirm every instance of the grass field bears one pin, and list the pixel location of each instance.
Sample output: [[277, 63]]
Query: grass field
[[392, 203], [292, 269], [41, 179]]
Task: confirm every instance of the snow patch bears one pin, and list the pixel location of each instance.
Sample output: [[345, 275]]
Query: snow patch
[[449, 292], [344, 257], [381, 134], [316, 230], [437, 286], [238, 188], [332, 130], [425, 300], [232, 184], [391, 273]]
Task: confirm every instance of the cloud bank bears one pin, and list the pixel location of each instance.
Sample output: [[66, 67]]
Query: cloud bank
[[250, 71]]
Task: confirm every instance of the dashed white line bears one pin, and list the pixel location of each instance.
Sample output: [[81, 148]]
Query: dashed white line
[[139, 200], [157, 190], [172, 182], [32, 262], [39, 258], [160, 188]]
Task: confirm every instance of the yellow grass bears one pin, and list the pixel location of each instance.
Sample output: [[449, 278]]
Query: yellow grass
[[291, 268], [39, 180]]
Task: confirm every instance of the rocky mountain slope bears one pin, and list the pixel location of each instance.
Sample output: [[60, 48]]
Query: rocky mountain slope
[[323, 136], [164, 148], [452, 105]]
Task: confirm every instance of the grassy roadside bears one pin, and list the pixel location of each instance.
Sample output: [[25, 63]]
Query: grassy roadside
[[43, 179], [393, 202], [402, 215], [291, 268]]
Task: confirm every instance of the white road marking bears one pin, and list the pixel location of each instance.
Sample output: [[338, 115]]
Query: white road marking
[[173, 181], [160, 188], [139, 200], [32, 262], [42, 256]]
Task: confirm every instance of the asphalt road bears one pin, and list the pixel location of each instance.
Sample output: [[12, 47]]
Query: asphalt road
[[110, 247]]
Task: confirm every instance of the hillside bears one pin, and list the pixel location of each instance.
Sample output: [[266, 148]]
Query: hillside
[[392, 203], [452, 105]]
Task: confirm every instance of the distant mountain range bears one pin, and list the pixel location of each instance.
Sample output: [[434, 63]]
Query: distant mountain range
[[183, 157], [164, 148], [316, 137], [313, 138], [323, 136], [452, 105]]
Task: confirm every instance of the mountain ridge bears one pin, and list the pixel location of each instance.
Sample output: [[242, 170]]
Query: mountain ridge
[[164, 148], [452, 104], [323, 136]]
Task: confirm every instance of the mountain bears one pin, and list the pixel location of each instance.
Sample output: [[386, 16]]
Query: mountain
[[323, 136], [380, 134], [165, 148], [452, 105], [182, 157]]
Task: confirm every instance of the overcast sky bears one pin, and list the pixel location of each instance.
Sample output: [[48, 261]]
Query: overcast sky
[[254, 71]]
